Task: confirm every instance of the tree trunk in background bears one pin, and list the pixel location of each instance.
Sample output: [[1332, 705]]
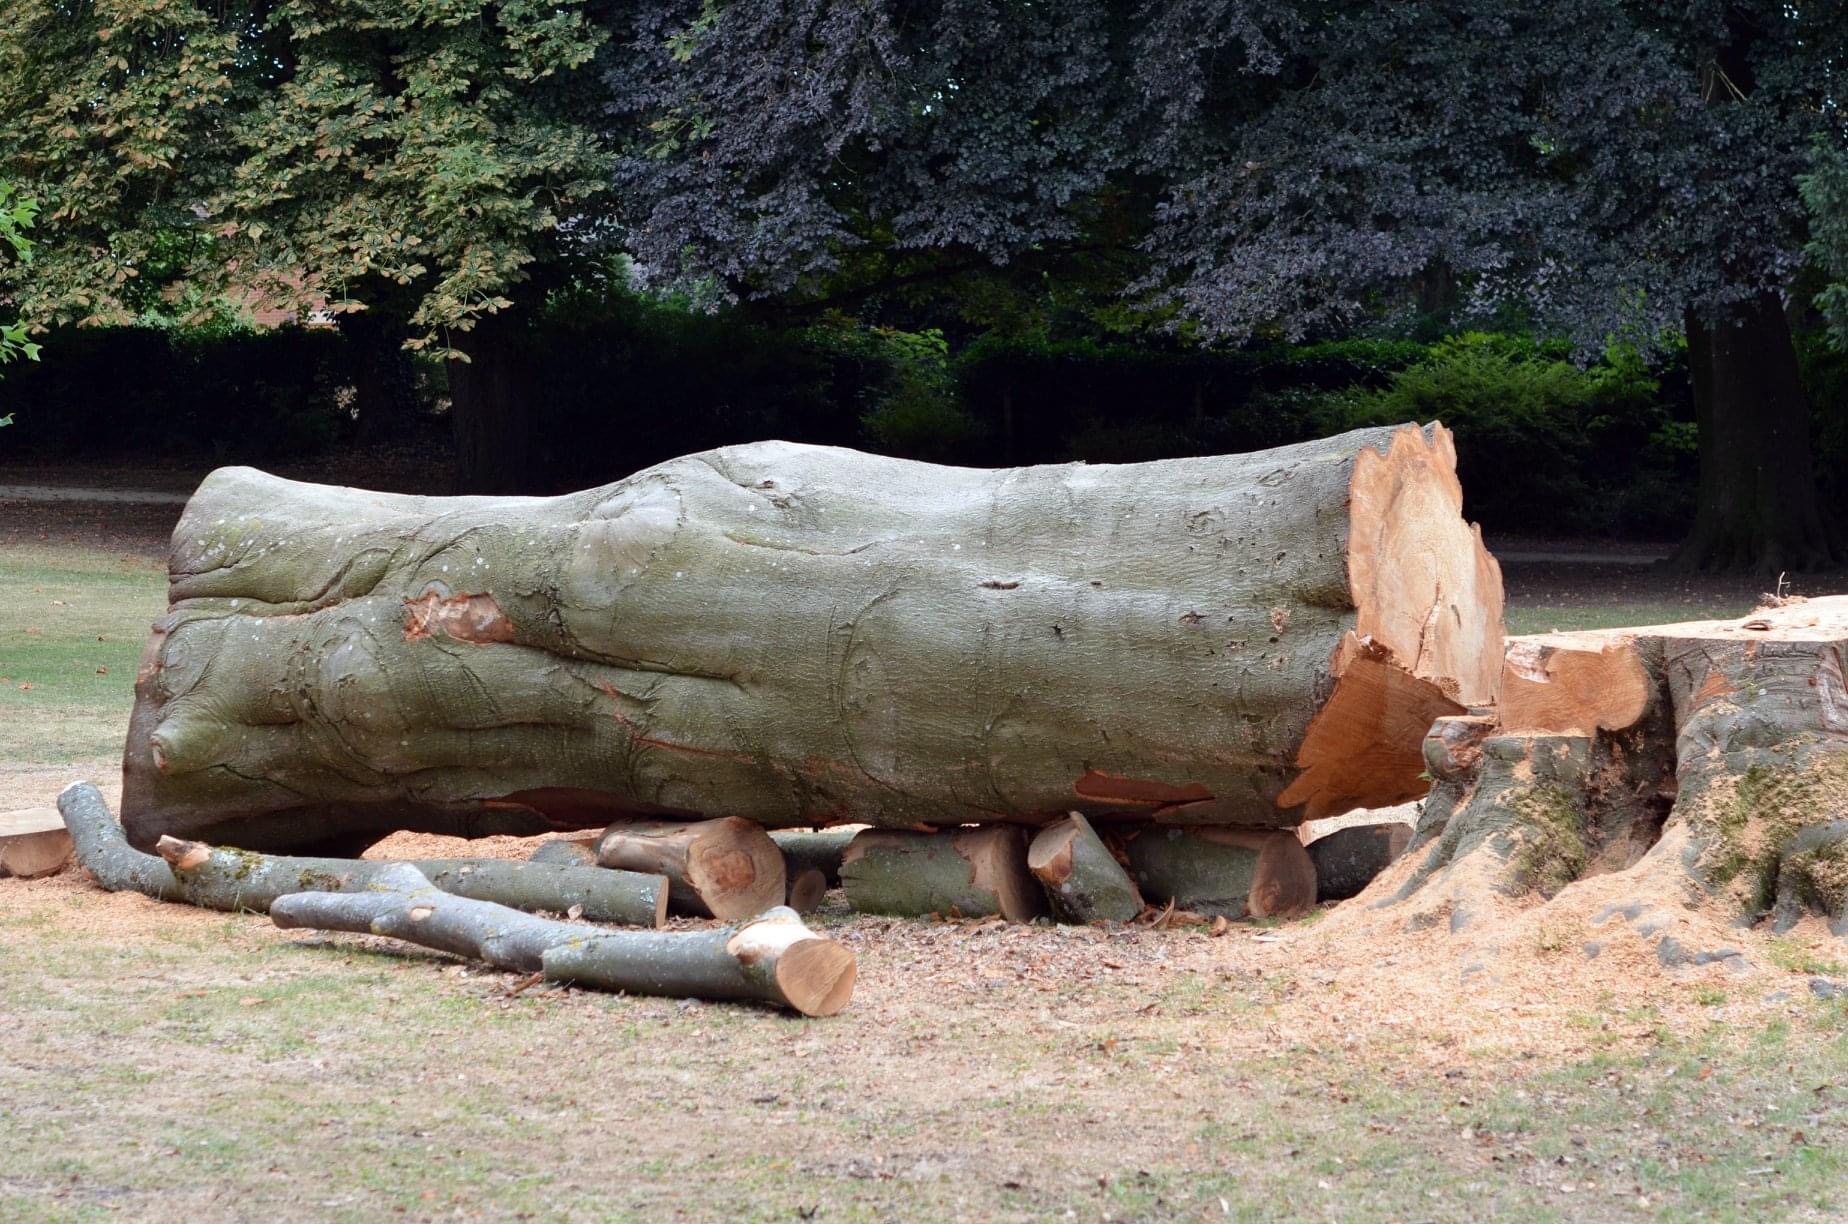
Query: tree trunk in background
[[384, 380], [1758, 508], [492, 397]]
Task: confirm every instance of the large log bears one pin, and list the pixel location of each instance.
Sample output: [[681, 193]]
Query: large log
[[803, 636], [716, 868], [1229, 873], [970, 872]]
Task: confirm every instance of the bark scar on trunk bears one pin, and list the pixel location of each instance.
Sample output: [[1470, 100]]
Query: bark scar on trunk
[[1113, 788], [465, 618]]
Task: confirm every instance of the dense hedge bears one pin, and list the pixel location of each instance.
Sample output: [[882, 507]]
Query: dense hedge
[[1545, 443]]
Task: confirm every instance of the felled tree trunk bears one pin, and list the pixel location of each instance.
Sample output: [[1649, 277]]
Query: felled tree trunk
[[1083, 880], [1711, 763], [968, 872], [804, 636], [219, 879], [772, 959]]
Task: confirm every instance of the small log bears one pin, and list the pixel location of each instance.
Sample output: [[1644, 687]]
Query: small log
[[1347, 860], [33, 843], [727, 868], [222, 879], [1082, 878], [821, 849], [570, 851], [806, 889], [969, 871], [1235, 873], [774, 958]]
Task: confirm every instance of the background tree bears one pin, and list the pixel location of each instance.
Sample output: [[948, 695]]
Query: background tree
[[419, 166], [16, 216], [1600, 169]]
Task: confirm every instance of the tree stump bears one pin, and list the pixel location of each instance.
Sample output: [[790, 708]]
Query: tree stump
[[801, 636]]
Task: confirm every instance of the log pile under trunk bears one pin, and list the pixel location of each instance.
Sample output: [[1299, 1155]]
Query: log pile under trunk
[[799, 636]]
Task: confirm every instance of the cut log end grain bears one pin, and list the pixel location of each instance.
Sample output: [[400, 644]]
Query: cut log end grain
[[806, 889], [1083, 880], [814, 976], [727, 868], [1573, 683], [1427, 635], [33, 843]]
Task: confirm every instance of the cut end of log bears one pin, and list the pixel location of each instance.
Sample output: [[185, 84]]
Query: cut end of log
[[817, 976], [1050, 855], [727, 868], [1573, 683], [1427, 637], [806, 889], [183, 855], [33, 843]]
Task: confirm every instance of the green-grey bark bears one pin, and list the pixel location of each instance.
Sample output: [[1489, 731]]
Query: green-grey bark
[[814, 849], [968, 872], [797, 635], [1230, 873], [220, 879], [1347, 860], [1083, 880]]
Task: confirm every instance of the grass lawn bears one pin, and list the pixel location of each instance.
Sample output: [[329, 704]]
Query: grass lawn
[[158, 1062]]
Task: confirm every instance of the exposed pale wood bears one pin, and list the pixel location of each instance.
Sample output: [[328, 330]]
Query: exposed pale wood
[[33, 843], [1234, 873], [1572, 683], [726, 868], [968, 871], [1083, 880], [221, 879], [799, 636], [773, 958]]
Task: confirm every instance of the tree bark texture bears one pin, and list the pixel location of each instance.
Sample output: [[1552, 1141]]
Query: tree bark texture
[[1726, 784], [220, 879], [771, 959], [1230, 873], [1758, 509], [1349, 859], [805, 636], [969, 872]]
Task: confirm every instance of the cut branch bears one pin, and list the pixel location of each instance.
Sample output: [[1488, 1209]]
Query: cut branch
[[772, 959], [239, 880], [716, 868], [1082, 878]]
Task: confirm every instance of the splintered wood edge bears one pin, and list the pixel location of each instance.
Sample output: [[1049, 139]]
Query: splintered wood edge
[[1427, 637]]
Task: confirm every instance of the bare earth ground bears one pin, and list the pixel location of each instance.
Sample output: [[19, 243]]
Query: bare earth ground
[[160, 1062]]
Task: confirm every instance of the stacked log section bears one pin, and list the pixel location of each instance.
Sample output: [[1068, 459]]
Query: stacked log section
[[968, 872], [806, 889], [1347, 860], [1231, 873], [1083, 880], [725, 868]]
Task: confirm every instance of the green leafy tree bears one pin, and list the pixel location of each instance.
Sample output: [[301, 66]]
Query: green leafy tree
[[16, 215], [421, 166]]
